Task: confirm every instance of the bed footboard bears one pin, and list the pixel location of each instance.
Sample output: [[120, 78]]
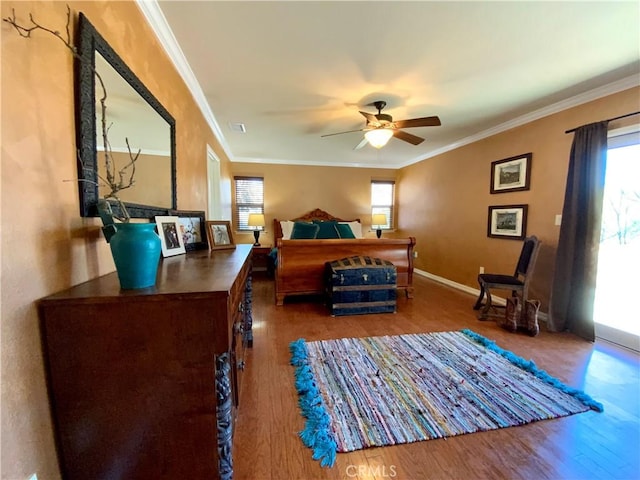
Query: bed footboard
[[300, 269]]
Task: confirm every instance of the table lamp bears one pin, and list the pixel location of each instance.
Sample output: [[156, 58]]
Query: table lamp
[[379, 220], [256, 220]]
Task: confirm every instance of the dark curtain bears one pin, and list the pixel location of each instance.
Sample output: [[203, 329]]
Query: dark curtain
[[574, 280]]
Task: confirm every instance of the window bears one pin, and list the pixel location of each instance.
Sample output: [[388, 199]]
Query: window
[[249, 199], [614, 311], [382, 200]]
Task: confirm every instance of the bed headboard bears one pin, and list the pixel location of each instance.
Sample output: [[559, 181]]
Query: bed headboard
[[316, 214]]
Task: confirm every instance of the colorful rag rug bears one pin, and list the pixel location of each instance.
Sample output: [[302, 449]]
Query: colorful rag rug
[[364, 392]]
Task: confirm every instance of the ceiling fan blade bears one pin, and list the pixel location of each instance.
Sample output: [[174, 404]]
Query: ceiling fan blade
[[361, 144], [419, 122], [340, 133], [370, 117], [407, 137]]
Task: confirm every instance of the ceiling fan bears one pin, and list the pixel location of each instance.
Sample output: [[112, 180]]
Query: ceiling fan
[[380, 128]]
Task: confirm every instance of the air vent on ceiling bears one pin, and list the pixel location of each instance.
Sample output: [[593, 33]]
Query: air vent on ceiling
[[237, 127]]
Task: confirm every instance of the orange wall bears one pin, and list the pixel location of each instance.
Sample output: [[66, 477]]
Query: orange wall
[[443, 200], [46, 246], [291, 191]]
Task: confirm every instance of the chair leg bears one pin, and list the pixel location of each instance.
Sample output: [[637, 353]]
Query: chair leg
[[484, 313], [480, 297]]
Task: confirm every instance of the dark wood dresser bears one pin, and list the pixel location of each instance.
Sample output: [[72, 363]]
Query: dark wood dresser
[[144, 384]]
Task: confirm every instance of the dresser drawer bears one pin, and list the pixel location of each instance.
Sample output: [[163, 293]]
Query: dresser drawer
[[238, 323], [238, 288]]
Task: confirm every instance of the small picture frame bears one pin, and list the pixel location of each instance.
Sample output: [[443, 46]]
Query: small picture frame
[[192, 228], [511, 174], [507, 221], [219, 234], [170, 239]]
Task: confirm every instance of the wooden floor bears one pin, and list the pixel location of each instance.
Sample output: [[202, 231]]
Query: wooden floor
[[589, 445]]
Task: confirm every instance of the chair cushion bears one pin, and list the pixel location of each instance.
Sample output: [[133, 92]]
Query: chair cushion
[[497, 279]]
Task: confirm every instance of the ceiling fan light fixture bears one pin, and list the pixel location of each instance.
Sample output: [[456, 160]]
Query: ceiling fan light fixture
[[379, 137]]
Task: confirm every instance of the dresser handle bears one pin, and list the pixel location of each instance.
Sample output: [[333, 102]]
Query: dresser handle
[[241, 365]]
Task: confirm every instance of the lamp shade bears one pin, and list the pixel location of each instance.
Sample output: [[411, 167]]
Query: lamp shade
[[256, 220], [378, 219], [378, 137]]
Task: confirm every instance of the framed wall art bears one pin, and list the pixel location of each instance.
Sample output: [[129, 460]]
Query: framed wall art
[[511, 174], [219, 234], [507, 221], [192, 229], [170, 238]]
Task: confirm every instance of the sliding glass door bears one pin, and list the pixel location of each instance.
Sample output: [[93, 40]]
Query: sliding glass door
[[617, 302]]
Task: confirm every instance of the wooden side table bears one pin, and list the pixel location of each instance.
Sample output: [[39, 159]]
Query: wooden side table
[[260, 257]]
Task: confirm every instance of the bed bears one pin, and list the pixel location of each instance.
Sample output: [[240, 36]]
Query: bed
[[300, 263]]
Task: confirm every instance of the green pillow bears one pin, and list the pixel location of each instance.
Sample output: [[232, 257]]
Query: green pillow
[[304, 231], [328, 229], [345, 231]]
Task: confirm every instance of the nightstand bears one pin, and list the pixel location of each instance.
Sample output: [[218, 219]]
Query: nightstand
[[260, 257]]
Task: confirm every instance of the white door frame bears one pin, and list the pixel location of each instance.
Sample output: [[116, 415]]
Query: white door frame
[[214, 197]]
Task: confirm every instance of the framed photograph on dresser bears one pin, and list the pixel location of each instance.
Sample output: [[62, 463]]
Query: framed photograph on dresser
[[219, 234], [170, 239], [192, 229]]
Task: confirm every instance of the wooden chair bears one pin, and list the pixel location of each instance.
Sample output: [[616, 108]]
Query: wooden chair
[[518, 283]]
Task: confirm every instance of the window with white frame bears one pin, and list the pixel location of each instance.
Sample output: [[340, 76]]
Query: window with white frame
[[382, 197], [619, 241], [249, 193]]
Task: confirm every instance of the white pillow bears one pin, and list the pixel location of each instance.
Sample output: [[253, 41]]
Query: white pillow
[[356, 228], [287, 228]]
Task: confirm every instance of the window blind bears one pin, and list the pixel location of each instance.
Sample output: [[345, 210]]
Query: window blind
[[382, 197], [249, 193]]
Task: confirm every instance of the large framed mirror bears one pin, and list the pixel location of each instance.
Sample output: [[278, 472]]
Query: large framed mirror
[[133, 115]]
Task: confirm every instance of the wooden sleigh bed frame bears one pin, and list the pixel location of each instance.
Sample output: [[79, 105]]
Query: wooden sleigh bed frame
[[300, 263]]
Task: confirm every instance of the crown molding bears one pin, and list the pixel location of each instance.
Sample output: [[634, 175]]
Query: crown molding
[[158, 23], [596, 93]]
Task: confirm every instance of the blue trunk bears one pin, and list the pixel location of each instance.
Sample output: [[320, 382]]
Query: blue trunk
[[360, 285]]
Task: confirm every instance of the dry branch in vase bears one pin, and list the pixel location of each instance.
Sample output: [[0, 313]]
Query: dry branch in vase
[[115, 180]]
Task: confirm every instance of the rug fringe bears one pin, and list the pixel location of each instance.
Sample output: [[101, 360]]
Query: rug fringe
[[316, 434], [530, 366]]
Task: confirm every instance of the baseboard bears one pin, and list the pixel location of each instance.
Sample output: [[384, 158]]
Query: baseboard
[[542, 316]]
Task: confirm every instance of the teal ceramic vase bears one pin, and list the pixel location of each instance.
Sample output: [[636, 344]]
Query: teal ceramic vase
[[136, 253]]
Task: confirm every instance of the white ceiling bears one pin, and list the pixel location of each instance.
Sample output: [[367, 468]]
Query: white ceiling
[[291, 71]]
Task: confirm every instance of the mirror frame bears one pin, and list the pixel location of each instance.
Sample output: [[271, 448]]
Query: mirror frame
[[90, 42]]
